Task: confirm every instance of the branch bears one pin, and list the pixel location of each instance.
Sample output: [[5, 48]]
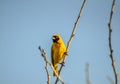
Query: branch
[[111, 81], [46, 61], [110, 44], [71, 37], [87, 74], [43, 54]]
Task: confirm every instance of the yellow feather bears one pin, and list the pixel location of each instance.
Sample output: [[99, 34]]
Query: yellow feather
[[57, 51]]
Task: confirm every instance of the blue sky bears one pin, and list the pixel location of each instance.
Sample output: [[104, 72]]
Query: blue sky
[[26, 24]]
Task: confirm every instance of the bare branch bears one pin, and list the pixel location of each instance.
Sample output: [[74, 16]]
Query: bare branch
[[43, 54], [71, 37], [87, 74], [111, 81], [75, 25], [110, 44], [48, 76]]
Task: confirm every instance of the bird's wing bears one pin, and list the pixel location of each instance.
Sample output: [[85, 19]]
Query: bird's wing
[[52, 51]]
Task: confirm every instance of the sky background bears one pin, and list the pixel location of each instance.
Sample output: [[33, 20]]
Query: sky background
[[27, 24]]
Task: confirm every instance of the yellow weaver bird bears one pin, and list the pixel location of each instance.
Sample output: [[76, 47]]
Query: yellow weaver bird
[[58, 50]]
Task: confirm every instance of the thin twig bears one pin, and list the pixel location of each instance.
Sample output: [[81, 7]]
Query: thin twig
[[43, 54], [48, 76], [111, 81], [71, 37], [87, 74], [110, 44]]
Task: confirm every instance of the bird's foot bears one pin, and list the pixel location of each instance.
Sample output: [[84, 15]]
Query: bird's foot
[[65, 53], [62, 63]]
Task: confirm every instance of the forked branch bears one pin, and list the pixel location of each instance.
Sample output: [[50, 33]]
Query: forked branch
[[43, 54]]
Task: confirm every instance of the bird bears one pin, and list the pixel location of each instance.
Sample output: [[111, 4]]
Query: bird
[[58, 50]]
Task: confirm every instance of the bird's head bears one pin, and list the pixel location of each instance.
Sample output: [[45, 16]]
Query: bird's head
[[56, 38]]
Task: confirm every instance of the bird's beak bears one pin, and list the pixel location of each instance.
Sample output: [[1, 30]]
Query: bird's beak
[[53, 38]]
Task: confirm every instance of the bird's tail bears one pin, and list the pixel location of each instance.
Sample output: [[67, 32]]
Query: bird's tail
[[56, 69]]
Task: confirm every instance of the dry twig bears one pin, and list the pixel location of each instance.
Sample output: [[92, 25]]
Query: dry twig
[[111, 81], [87, 74], [71, 37], [43, 54], [110, 44]]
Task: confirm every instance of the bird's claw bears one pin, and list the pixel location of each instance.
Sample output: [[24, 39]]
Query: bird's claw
[[65, 53], [62, 63]]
